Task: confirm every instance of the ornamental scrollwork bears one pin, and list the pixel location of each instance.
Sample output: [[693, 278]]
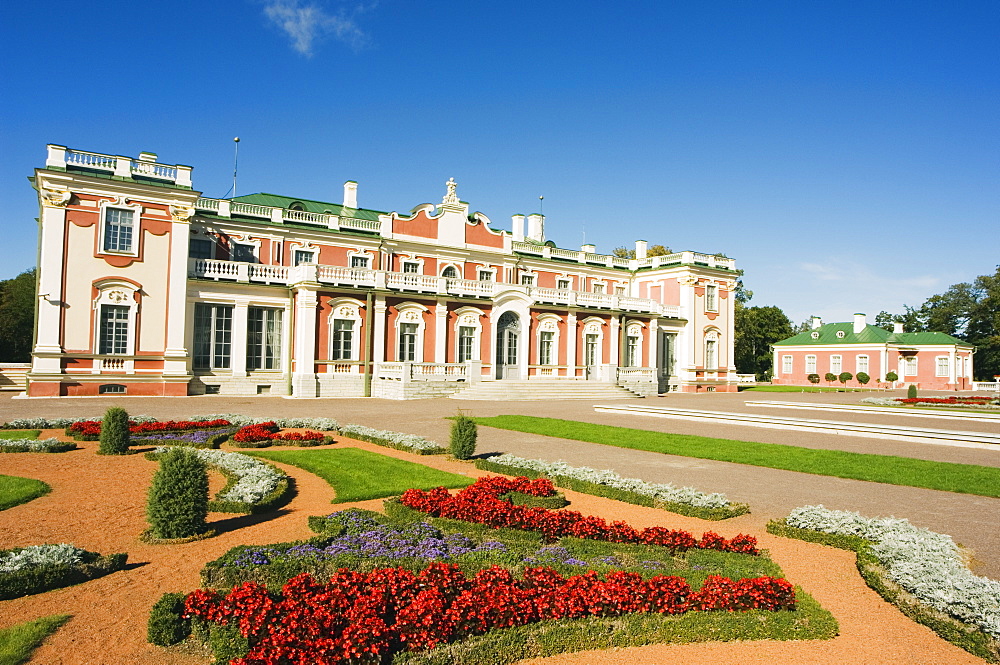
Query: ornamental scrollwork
[[55, 198], [181, 213]]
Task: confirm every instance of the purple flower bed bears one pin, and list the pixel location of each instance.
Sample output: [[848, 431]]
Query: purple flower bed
[[196, 438]]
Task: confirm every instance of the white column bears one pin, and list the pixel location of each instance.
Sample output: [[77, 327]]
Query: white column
[[50, 295], [378, 335], [571, 335], [952, 369], [176, 357], [304, 349], [653, 350], [238, 349], [440, 331], [615, 341]]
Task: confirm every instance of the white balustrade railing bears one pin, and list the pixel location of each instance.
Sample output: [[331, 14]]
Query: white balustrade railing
[[113, 364], [91, 160], [619, 262], [250, 210], [360, 224], [411, 281], [565, 254], [470, 287], [306, 217], [389, 370], [265, 273], [638, 304], [342, 275], [636, 374], [555, 296], [352, 367], [207, 204], [214, 269], [594, 299], [526, 247], [986, 385], [431, 371], [154, 170], [670, 310]]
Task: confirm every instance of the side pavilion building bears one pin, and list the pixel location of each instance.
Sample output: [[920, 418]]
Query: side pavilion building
[[148, 288]]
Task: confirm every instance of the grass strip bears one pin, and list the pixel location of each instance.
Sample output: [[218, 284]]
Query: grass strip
[[20, 433], [18, 642], [889, 469], [15, 490], [359, 475]]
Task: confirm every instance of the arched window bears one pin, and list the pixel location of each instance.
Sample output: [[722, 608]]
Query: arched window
[[410, 332], [468, 331], [712, 350], [548, 339], [450, 272], [115, 310], [633, 345], [345, 329], [593, 341]]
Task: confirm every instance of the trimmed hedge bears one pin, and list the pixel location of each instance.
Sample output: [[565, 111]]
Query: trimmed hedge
[[278, 497], [36, 446], [965, 636], [167, 625], [557, 500], [45, 578], [596, 489]]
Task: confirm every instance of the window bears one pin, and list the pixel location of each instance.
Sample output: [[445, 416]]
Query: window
[[343, 340], [303, 256], [910, 366], [711, 298], [810, 364], [590, 350], [411, 267], [118, 230], [546, 342], [786, 364], [114, 329], [485, 275], [563, 284], [466, 343], [359, 261], [450, 272], [632, 351], [619, 290], [942, 366], [213, 336], [527, 280], [200, 248], [711, 354], [244, 252], [407, 342], [862, 365], [263, 338], [598, 287], [836, 364], [111, 389]]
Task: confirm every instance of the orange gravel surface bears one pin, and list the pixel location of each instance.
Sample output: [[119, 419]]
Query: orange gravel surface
[[98, 503]]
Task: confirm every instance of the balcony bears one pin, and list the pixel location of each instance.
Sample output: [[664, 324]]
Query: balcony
[[256, 273]]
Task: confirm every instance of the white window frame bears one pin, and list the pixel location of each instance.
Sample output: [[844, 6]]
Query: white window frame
[[810, 364], [410, 313], [277, 358], [458, 271], [212, 364], [254, 246], [593, 326], [862, 364], [136, 211], [117, 293], [787, 363], [208, 241], [711, 351], [836, 364], [937, 366], [469, 317], [314, 253], [563, 279], [911, 363], [345, 309], [491, 274], [549, 324], [406, 261], [527, 278], [358, 256], [600, 287], [711, 298]]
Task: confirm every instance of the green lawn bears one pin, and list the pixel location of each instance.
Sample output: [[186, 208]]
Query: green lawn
[[358, 475], [14, 490], [18, 642], [949, 477], [19, 433], [801, 389]]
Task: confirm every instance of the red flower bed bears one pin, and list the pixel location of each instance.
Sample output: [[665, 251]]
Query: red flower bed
[[362, 618], [480, 503], [269, 431], [93, 427]]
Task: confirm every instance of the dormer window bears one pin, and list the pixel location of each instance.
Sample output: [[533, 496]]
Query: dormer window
[[840, 334], [450, 272], [297, 206], [814, 335]]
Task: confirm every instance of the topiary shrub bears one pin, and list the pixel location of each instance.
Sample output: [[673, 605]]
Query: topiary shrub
[[830, 377], [863, 378], [844, 377], [167, 625], [463, 437], [911, 392], [177, 506], [813, 378], [115, 437], [891, 377]]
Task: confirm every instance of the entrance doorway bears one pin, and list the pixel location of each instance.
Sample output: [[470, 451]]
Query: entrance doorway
[[508, 333]]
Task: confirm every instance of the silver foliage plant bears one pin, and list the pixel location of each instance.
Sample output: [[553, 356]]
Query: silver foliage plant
[[925, 563], [40, 555], [398, 438], [663, 491], [255, 480], [33, 445], [62, 423], [322, 424]]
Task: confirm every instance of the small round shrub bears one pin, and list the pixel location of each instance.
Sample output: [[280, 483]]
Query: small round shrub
[[863, 378], [167, 625], [891, 377], [911, 392], [115, 437], [177, 506], [830, 377], [463, 437], [844, 377], [813, 378]]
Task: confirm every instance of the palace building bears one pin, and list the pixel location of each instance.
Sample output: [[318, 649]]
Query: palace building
[[147, 288]]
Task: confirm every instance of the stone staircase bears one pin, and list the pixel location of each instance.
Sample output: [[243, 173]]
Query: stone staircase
[[510, 390]]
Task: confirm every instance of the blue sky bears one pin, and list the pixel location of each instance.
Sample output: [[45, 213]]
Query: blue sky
[[846, 154]]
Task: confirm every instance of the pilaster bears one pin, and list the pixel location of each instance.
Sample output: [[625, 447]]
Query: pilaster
[[239, 346], [48, 339], [441, 331], [571, 336], [378, 334], [304, 351], [176, 354]]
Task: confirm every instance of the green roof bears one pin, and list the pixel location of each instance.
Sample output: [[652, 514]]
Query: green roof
[[277, 201], [869, 335]]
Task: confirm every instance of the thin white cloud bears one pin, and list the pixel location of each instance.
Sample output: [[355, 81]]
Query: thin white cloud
[[307, 23]]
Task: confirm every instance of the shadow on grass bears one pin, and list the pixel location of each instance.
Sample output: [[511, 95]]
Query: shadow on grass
[[242, 521]]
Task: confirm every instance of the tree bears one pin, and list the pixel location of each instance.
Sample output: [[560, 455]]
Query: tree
[[830, 377], [17, 317], [757, 328], [863, 378], [813, 378], [891, 377], [885, 320], [177, 505], [845, 377], [463, 437], [115, 436], [653, 250]]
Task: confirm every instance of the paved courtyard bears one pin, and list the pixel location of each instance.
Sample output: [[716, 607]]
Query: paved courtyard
[[972, 520]]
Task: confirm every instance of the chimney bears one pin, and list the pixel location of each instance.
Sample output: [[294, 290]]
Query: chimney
[[640, 249], [536, 227], [589, 249], [350, 194], [816, 322], [897, 327], [517, 224], [859, 323]]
